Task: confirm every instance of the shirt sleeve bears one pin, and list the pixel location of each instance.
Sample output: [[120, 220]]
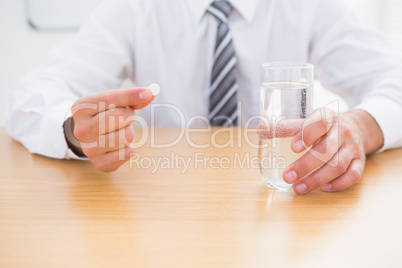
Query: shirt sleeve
[[98, 58], [358, 64]]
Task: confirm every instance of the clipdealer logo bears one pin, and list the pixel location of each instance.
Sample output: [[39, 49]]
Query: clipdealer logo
[[203, 161], [268, 128]]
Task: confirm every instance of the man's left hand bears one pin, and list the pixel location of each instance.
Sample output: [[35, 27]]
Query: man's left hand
[[338, 150]]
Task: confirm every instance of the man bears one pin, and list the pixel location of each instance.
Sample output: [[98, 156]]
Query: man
[[178, 44]]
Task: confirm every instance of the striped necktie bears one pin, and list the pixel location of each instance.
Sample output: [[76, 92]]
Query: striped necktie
[[224, 87]]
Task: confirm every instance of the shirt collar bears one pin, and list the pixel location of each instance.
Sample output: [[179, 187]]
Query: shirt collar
[[246, 8]]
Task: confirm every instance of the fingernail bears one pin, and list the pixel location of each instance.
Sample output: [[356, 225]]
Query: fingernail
[[290, 176], [301, 188], [299, 146], [145, 95], [327, 187]]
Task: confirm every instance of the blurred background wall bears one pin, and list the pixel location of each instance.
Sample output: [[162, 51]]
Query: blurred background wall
[[22, 47]]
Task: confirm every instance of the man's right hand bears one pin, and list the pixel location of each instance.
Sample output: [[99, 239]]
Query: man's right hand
[[102, 123]]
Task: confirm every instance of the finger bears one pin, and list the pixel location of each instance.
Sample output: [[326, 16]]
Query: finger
[[316, 126], [89, 129], [352, 175], [112, 120], [109, 142], [318, 155], [111, 161], [334, 168], [106, 100], [142, 105]]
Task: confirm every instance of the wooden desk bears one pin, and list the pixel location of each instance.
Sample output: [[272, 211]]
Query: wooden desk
[[58, 213]]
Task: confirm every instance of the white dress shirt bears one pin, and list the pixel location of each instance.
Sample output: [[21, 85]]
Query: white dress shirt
[[171, 43]]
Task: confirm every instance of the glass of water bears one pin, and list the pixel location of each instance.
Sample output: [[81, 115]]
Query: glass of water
[[286, 95]]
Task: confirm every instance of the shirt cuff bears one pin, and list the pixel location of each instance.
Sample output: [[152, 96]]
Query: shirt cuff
[[387, 113], [52, 142], [71, 155]]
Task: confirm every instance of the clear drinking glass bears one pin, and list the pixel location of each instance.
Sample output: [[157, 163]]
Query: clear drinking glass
[[286, 95]]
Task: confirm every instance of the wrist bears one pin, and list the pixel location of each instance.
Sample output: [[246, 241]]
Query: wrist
[[369, 130], [73, 144]]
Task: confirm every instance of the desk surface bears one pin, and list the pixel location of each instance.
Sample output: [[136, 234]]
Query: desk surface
[[59, 213]]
